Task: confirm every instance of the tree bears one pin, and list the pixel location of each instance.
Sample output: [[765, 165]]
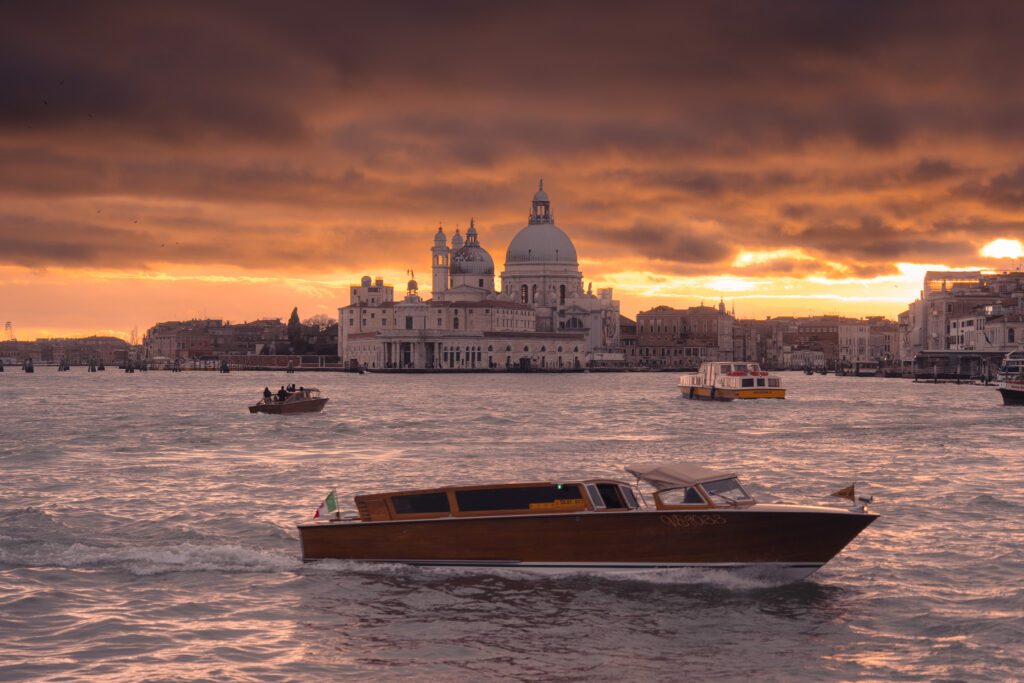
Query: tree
[[320, 321], [295, 332]]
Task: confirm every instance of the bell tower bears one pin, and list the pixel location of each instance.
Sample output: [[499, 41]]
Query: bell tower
[[441, 255]]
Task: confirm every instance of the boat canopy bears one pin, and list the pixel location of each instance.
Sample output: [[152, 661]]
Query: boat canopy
[[673, 475]]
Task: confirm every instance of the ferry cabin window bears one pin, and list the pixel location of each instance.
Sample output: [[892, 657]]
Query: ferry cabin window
[[517, 498], [420, 503], [684, 496], [748, 382], [729, 489]]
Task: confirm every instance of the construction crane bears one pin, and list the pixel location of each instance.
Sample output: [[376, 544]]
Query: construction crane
[[9, 331]]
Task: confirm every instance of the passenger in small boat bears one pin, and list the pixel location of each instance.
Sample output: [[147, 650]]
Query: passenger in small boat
[[282, 394], [266, 393]]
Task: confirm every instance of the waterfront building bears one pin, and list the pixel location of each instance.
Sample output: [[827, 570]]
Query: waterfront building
[[541, 318], [948, 297], [684, 338], [76, 351], [210, 339]]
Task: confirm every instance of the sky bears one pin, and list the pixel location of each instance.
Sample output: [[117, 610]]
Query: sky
[[164, 161]]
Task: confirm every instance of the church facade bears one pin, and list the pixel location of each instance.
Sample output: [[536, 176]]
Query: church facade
[[542, 318]]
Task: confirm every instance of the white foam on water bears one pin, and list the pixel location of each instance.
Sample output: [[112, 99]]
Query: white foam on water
[[149, 560], [737, 580]]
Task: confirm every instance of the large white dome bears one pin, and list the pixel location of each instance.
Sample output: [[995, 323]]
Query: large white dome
[[541, 243]]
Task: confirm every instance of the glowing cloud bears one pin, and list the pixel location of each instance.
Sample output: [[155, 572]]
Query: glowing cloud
[[1003, 248]]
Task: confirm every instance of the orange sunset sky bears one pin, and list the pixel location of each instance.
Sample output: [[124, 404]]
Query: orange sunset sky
[[165, 161]]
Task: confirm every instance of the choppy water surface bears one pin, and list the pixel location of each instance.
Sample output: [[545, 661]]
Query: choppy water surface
[[147, 530]]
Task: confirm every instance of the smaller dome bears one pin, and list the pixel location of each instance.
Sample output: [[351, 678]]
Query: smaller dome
[[413, 286], [439, 238], [366, 281], [456, 240]]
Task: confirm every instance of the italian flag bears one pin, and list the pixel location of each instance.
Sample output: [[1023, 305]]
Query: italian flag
[[329, 506]]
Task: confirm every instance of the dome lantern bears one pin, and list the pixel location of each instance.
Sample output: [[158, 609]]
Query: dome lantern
[[540, 210]]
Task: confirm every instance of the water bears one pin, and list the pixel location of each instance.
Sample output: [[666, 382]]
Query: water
[[147, 530]]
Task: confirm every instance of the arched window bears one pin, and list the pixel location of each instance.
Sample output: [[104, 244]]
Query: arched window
[[575, 349], [543, 349], [490, 348], [561, 294], [508, 348], [526, 348], [524, 294], [534, 299], [455, 323], [559, 349], [1009, 334]]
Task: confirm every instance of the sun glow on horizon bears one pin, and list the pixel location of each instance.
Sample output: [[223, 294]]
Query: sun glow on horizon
[[1003, 248]]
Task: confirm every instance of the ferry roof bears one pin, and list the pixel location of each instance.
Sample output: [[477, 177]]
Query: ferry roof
[[671, 475]]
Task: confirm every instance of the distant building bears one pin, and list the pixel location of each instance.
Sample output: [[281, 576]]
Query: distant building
[[542, 318], [966, 311], [683, 338], [76, 351], [211, 339]]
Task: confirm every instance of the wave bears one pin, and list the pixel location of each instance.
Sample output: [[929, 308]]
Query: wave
[[150, 560], [736, 580]]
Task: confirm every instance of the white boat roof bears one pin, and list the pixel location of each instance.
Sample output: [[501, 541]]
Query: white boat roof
[[671, 475]]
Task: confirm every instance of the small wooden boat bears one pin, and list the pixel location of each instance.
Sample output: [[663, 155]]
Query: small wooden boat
[[729, 381], [303, 400], [700, 518]]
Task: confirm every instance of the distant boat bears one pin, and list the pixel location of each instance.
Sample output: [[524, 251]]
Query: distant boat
[[27, 365], [305, 400], [700, 518], [1011, 378], [717, 381]]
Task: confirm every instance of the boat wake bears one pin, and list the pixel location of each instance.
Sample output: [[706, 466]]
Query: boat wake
[[729, 579], [150, 560]]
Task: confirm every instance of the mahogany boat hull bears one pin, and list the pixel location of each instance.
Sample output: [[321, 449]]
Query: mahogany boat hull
[[313, 405], [793, 542]]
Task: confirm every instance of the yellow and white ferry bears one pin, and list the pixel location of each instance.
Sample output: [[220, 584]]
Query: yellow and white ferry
[[730, 380]]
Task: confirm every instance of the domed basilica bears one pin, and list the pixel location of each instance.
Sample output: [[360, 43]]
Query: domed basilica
[[541, 319]]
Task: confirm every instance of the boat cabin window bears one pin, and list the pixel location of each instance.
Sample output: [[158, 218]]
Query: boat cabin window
[[595, 497], [421, 503], [688, 495], [627, 495], [611, 496], [729, 490], [552, 497], [748, 382]]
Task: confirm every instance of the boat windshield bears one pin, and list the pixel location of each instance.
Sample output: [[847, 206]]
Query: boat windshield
[[687, 495], [728, 490]]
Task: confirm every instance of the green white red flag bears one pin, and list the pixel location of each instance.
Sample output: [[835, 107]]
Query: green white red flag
[[329, 506]]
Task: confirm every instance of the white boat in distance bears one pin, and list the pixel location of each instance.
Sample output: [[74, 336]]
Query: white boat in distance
[[726, 381]]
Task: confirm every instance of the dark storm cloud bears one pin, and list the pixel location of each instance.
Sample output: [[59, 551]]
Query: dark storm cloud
[[1004, 190], [664, 243], [659, 116], [870, 239]]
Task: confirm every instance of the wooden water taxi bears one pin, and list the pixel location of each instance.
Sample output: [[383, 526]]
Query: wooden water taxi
[[699, 518], [302, 400], [728, 381]]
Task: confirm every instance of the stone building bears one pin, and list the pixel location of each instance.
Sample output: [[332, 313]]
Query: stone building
[[683, 338], [541, 319]]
